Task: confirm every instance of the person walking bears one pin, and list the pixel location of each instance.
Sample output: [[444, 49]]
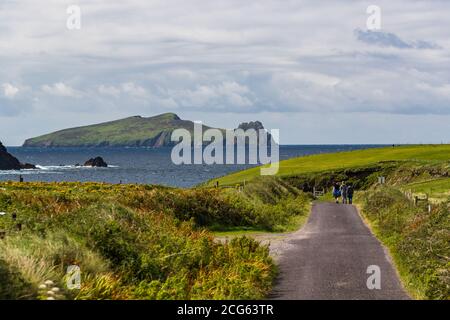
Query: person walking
[[350, 194], [344, 192], [336, 192]]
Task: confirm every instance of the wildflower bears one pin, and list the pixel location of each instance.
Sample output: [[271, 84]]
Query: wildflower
[[49, 283]]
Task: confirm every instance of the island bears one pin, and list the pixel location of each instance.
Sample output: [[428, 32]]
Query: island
[[135, 131]]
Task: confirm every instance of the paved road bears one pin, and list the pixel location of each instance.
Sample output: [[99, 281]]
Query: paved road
[[329, 257]]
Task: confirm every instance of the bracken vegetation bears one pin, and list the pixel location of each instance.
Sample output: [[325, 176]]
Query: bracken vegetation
[[137, 241], [150, 242], [418, 240]]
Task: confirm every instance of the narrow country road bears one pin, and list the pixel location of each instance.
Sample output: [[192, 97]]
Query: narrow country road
[[328, 259]]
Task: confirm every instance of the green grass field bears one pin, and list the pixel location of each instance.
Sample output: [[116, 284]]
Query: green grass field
[[438, 190], [341, 160], [416, 238]]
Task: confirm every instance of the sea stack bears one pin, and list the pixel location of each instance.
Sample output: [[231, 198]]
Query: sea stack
[[96, 162], [9, 162]]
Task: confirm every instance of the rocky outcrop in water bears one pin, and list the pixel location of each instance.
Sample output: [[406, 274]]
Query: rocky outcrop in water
[[27, 166], [257, 125], [9, 162], [96, 162]]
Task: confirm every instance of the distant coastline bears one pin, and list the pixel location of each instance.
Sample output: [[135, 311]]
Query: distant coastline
[[143, 165]]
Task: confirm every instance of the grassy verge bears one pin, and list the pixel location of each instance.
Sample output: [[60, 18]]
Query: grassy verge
[[342, 160], [418, 240], [285, 206], [437, 190], [139, 242]]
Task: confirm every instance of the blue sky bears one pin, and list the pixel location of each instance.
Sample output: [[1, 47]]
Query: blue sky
[[312, 70]]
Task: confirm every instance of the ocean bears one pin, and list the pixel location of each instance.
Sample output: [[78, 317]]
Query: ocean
[[135, 165]]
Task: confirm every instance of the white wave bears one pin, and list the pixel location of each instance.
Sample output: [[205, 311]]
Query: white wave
[[45, 168], [62, 167], [48, 169], [25, 172]]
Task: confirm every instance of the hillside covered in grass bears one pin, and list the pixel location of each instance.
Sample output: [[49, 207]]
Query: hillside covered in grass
[[416, 233], [129, 132], [342, 160], [138, 241]]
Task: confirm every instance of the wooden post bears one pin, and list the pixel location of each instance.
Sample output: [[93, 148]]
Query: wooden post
[[20, 178]]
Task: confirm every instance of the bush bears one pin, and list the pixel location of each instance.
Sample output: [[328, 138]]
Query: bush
[[419, 241], [131, 242]]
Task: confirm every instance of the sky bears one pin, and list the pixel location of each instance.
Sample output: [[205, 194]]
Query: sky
[[311, 69]]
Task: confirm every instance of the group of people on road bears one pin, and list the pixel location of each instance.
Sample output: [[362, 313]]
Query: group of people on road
[[343, 191]]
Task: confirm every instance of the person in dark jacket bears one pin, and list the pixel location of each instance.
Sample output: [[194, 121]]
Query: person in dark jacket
[[350, 194], [336, 192], [344, 192]]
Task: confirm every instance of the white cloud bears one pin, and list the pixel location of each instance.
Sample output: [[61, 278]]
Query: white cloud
[[134, 90], [213, 97], [9, 90], [128, 88], [60, 89], [109, 90], [258, 56]]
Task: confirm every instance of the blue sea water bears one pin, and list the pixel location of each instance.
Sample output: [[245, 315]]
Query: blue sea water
[[135, 165]]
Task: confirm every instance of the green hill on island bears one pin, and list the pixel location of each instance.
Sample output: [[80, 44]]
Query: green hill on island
[[134, 131]]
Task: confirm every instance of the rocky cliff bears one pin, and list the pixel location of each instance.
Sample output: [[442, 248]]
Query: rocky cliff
[[9, 162]]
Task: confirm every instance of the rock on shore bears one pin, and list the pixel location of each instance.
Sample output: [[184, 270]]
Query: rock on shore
[[9, 162]]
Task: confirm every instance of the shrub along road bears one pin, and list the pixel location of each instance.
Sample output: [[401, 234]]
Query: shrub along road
[[329, 258]]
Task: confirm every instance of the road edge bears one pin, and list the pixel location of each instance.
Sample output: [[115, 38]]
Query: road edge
[[387, 252]]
